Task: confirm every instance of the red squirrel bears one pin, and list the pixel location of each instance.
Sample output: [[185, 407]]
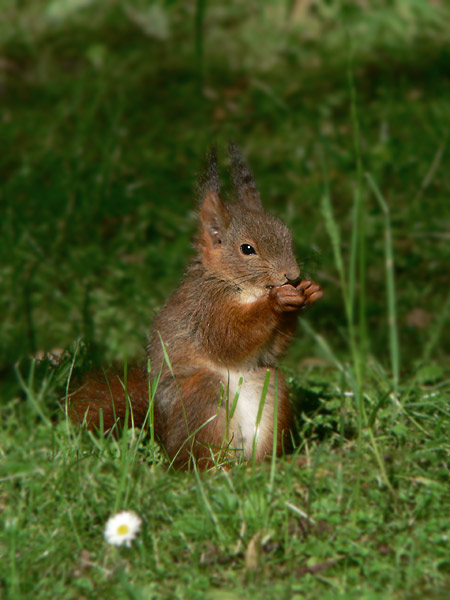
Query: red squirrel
[[223, 331]]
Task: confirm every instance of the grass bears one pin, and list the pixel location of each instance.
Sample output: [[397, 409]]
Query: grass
[[60, 485], [106, 112]]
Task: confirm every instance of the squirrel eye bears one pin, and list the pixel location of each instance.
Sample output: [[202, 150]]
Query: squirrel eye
[[247, 249]]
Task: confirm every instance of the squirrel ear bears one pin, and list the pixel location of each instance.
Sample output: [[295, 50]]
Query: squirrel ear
[[214, 214], [243, 181], [214, 217]]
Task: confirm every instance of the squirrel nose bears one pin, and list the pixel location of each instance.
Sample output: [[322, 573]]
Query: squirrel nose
[[292, 278]]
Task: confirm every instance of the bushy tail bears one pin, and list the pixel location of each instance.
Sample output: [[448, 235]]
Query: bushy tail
[[105, 399]]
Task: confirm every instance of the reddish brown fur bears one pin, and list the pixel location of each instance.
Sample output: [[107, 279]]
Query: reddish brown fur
[[253, 327], [196, 421], [232, 316], [105, 393]]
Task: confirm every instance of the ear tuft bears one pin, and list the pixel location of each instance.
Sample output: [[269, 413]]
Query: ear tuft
[[244, 184], [214, 214], [209, 181]]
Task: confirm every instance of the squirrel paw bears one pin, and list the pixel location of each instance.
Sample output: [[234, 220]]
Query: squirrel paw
[[310, 291], [287, 298]]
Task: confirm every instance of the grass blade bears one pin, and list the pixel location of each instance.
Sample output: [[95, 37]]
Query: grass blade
[[390, 285]]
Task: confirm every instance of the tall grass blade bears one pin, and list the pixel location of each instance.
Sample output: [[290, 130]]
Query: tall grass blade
[[236, 397], [208, 507], [151, 402], [28, 388], [436, 330], [68, 381], [335, 236], [324, 346], [259, 414], [275, 435], [166, 355], [125, 457], [390, 285], [358, 250]]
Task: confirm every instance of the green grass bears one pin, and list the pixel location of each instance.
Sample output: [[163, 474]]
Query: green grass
[[60, 485], [342, 110]]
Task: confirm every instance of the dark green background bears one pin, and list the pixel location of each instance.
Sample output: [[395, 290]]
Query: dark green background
[[107, 112]]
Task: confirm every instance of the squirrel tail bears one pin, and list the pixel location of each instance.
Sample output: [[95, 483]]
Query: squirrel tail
[[105, 399]]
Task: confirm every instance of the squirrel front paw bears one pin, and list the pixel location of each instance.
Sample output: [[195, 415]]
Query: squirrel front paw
[[310, 291], [287, 298]]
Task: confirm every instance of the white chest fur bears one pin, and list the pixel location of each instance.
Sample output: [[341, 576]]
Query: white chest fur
[[250, 412]]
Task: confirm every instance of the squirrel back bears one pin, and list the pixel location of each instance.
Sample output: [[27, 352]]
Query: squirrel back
[[215, 344]]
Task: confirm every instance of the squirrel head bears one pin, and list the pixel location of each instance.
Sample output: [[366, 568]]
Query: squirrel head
[[239, 242]]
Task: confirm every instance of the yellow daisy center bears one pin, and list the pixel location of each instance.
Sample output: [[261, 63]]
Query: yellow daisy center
[[123, 529]]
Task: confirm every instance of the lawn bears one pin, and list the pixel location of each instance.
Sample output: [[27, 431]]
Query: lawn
[[342, 109]]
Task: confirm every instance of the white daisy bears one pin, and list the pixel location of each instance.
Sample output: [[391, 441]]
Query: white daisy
[[122, 528]]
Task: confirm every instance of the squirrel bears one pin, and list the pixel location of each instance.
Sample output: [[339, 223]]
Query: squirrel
[[215, 344]]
